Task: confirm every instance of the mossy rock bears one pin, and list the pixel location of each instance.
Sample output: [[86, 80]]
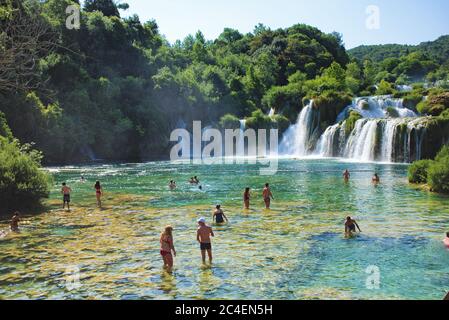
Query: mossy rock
[[392, 112], [354, 116]]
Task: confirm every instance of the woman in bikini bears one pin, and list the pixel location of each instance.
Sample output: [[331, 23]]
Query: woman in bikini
[[99, 193], [246, 197], [167, 247]]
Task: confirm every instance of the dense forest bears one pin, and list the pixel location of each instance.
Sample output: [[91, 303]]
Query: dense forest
[[115, 88]]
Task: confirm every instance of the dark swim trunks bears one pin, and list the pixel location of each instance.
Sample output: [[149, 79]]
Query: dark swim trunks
[[352, 228], [206, 246], [67, 198]]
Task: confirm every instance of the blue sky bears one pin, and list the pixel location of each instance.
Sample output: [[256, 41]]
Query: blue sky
[[401, 21]]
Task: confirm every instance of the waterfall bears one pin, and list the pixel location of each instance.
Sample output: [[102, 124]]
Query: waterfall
[[385, 140], [271, 113], [377, 107], [299, 138], [326, 145], [240, 148], [361, 142], [387, 132]]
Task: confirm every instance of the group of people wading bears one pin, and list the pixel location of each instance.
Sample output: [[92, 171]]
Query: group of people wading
[[204, 232]]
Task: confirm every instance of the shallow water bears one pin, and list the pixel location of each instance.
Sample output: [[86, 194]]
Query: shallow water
[[295, 251]]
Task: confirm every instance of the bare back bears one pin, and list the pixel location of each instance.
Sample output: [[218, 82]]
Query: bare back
[[204, 234]]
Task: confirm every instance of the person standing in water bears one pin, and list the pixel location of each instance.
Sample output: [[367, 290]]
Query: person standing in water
[[203, 235], [246, 198], [15, 222], [350, 226], [376, 178], [167, 247], [346, 175], [65, 190], [98, 193], [446, 240], [172, 185], [219, 216], [267, 195]]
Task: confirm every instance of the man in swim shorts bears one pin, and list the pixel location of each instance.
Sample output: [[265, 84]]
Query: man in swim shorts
[[66, 195], [350, 226], [346, 175], [219, 216], [267, 195], [203, 235]]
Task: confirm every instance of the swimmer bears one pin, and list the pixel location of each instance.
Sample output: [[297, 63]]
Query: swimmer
[[66, 196], [192, 181], [82, 180], [98, 193], [246, 198], [446, 240], [219, 216], [203, 235], [15, 222], [195, 178], [167, 247], [346, 175], [172, 185], [267, 195], [350, 226], [376, 178]]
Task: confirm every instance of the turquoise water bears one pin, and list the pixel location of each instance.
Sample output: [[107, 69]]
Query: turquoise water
[[297, 250]]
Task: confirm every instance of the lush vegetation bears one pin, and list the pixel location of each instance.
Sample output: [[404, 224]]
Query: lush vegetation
[[22, 183], [433, 172], [115, 88]]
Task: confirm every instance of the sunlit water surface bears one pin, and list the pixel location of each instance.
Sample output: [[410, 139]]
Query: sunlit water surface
[[297, 250]]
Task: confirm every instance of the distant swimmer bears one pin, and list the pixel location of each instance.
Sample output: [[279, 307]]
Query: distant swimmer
[[66, 195], [201, 188], [167, 247], [203, 235], [82, 180], [446, 240], [195, 178], [172, 185], [267, 195], [98, 193], [192, 181], [346, 175], [376, 178], [246, 198], [350, 226], [15, 222], [219, 216]]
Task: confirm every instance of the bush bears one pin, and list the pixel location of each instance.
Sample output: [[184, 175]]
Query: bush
[[22, 183], [229, 121], [438, 176], [417, 172], [259, 120], [281, 122]]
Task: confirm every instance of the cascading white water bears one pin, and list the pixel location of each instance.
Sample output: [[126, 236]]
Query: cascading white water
[[361, 142], [272, 112], [296, 139], [240, 149], [326, 144], [386, 133]]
